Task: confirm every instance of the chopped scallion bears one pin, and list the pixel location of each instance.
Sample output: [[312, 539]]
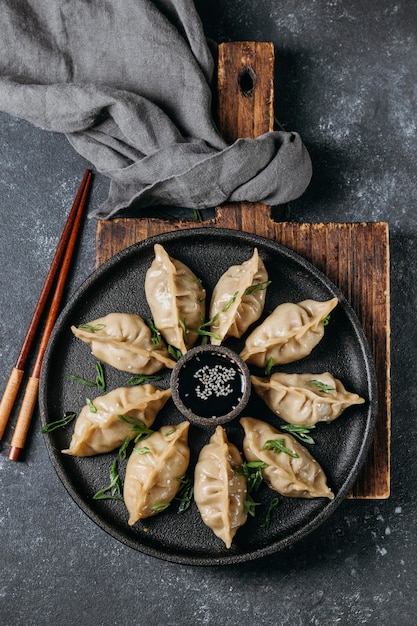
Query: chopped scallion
[[113, 491], [300, 432], [67, 419], [272, 505], [278, 445]]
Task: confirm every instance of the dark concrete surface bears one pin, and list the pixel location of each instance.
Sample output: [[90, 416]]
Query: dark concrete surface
[[346, 80]]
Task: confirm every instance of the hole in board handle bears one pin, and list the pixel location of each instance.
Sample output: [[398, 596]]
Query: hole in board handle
[[247, 81]]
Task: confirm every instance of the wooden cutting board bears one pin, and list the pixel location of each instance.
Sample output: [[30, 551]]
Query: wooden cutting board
[[355, 256]]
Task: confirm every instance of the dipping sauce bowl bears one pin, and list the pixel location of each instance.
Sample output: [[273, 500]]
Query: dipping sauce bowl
[[210, 385]]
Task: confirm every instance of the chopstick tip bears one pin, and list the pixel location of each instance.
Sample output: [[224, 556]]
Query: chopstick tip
[[14, 453]]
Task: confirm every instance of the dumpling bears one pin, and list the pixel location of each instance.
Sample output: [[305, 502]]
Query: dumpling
[[124, 341], [292, 472], [219, 492], [288, 334], [154, 470], [305, 399], [238, 299], [99, 428], [176, 299]]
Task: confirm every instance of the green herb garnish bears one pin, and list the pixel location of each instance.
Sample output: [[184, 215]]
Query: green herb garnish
[[185, 494], [322, 387], [250, 505], [93, 329], [251, 470], [170, 432], [91, 406], [67, 419], [113, 491], [269, 365], [272, 505], [138, 379], [160, 506], [326, 320], [100, 381], [230, 302], [142, 450], [207, 333], [83, 381], [156, 335], [197, 215], [278, 445], [300, 432], [181, 324], [123, 449], [257, 287], [174, 353], [138, 427], [100, 378]]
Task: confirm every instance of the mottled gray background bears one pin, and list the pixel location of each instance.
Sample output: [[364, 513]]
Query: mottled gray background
[[346, 80]]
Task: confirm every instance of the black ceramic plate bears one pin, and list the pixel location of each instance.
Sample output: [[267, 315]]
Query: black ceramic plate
[[340, 446]]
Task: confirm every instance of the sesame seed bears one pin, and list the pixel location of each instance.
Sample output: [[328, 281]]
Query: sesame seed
[[214, 381]]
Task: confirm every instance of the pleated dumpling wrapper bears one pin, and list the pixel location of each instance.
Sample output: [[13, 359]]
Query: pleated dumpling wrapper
[[288, 334], [176, 299], [305, 399], [124, 341], [219, 491], [290, 469], [105, 423], [154, 471], [238, 299]]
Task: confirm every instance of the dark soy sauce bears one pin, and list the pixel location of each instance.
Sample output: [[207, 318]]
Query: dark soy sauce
[[210, 385]]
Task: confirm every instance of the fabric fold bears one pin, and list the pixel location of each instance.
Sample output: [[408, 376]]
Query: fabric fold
[[129, 83]]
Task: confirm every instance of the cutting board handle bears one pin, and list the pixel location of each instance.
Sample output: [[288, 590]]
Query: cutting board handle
[[245, 91]]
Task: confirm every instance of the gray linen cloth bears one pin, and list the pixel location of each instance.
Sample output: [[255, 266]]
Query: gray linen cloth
[[129, 83]]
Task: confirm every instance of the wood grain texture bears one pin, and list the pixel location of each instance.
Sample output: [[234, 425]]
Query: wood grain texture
[[354, 256]]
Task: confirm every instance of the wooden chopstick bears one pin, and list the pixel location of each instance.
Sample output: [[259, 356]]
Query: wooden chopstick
[[61, 263], [16, 376], [31, 392]]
